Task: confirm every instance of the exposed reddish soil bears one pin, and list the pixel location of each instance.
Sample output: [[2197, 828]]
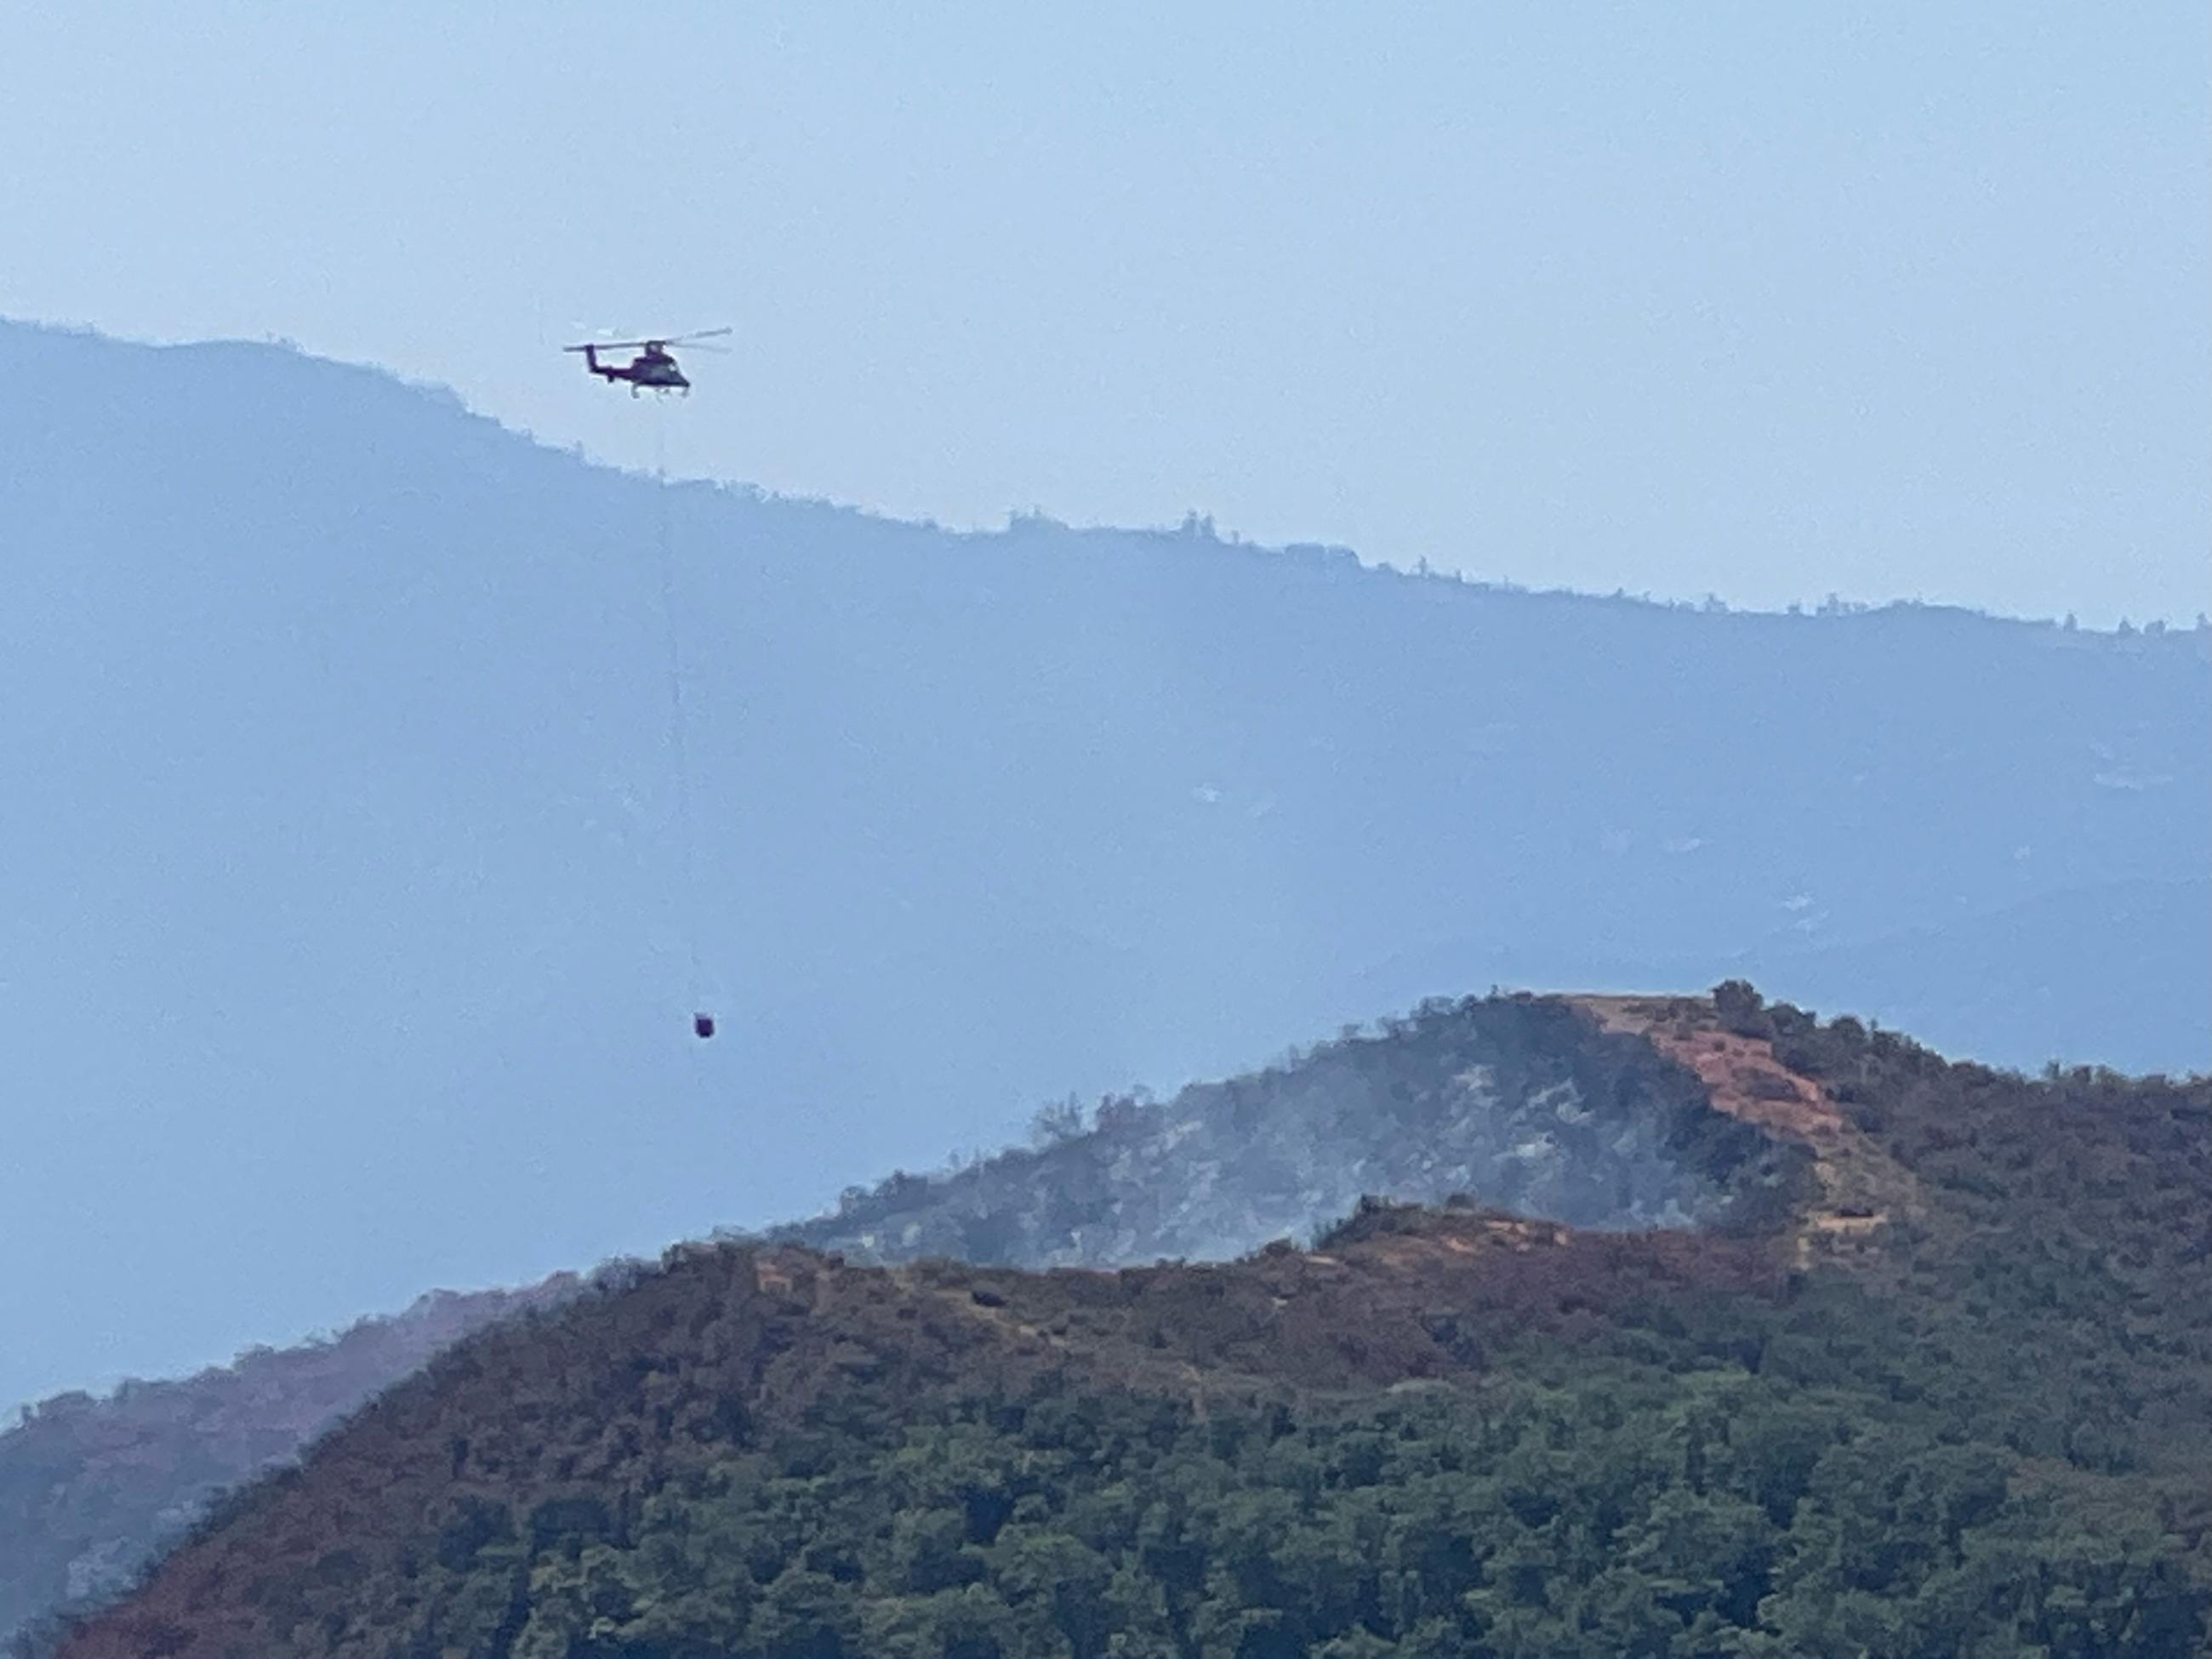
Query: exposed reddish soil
[[1863, 1190]]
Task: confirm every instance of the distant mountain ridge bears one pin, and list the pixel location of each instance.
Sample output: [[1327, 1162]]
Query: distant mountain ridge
[[353, 956]]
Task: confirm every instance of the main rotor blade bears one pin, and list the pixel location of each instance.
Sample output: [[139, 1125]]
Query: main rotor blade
[[704, 334]]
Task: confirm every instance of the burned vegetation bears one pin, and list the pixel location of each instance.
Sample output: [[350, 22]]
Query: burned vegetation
[[1518, 1102]]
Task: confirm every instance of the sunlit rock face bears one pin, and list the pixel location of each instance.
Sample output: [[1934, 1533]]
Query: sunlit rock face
[[1511, 1102]]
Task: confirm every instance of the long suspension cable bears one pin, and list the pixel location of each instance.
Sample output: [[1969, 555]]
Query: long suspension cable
[[678, 743]]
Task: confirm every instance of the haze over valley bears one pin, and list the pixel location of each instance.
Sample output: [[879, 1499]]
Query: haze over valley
[[353, 883], [1207, 833]]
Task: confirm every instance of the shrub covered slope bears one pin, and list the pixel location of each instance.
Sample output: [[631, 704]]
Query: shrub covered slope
[[1950, 1398], [1509, 1099]]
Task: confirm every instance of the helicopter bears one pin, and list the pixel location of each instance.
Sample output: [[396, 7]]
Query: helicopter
[[655, 369], [652, 367]]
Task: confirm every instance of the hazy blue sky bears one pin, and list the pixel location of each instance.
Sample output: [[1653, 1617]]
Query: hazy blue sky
[[1769, 300]]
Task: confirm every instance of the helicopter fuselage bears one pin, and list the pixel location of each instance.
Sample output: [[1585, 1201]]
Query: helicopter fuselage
[[655, 369]]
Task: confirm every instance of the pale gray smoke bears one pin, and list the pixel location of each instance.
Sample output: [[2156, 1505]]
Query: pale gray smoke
[[1474, 1098]]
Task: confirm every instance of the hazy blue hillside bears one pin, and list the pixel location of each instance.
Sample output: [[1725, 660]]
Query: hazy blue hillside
[[89, 1488], [338, 943]]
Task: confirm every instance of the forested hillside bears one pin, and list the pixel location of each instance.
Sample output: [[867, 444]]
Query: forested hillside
[[1952, 1398], [89, 1486], [340, 717], [1509, 1099]]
